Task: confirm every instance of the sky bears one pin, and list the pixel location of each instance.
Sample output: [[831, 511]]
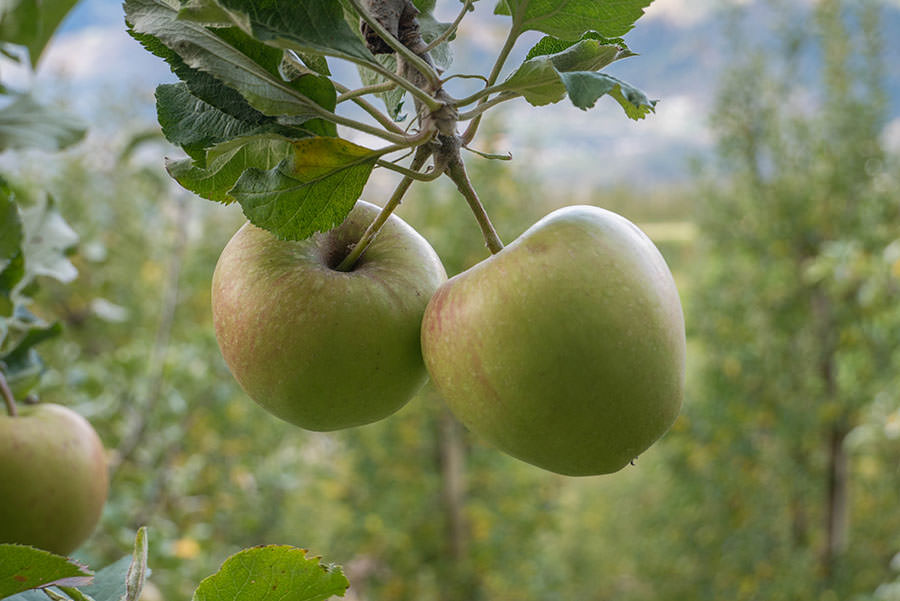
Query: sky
[[92, 60]]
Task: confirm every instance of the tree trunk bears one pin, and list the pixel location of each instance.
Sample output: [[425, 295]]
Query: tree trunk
[[453, 485], [837, 476], [837, 524], [459, 581]]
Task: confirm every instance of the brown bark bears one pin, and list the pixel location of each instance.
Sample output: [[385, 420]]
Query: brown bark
[[837, 474], [837, 514], [452, 459]]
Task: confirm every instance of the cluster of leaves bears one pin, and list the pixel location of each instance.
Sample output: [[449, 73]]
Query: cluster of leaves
[[250, 575], [258, 107], [34, 239]]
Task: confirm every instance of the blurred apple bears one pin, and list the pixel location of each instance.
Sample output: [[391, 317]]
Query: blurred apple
[[53, 478]]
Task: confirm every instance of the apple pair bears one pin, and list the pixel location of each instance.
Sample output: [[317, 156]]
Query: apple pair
[[565, 349]]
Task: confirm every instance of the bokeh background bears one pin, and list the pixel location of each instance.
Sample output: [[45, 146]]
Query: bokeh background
[[770, 179]]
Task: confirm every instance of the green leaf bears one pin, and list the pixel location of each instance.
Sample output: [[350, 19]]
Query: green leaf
[[24, 375], [392, 99], [431, 29], [48, 238], [31, 23], [205, 12], [310, 192], [26, 124], [538, 79], [192, 123], [10, 229], [316, 62], [232, 57], [137, 571], [23, 568], [19, 360], [585, 88], [203, 85], [226, 162], [109, 583], [10, 276], [551, 45], [316, 27], [570, 19], [273, 571]]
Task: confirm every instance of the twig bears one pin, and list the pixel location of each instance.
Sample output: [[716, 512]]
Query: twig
[[490, 155], [470, 132], [348, 94], [482, 107], [391, 40], [8, 396], [456, 171], [450, 30], [422, 154], [464, 76], [383, 119], [416, 175]]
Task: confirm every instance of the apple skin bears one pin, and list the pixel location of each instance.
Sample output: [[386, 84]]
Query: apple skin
[[567, 348], [53, 478], [320, 348]]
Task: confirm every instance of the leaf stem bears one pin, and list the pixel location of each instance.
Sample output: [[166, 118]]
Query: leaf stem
[[75, 594], [483, 92], [464, 76], [467, 4], [391, 40], [426, 99], [348, 94], [416, 175], [456, 171], [469, 134], [8, 396], [422, 154], [383, 119], [54, 596], [476, 112]]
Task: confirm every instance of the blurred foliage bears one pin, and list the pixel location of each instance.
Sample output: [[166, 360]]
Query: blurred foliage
[[791, 483]]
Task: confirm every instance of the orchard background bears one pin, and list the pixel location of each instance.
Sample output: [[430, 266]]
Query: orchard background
[[770, 179]]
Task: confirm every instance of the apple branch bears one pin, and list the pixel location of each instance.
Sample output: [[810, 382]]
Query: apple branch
[[389, 38], [450, 31], [348, 94], [354, 96], [469, 134], [456, 171], [8, 396], [422, 154]]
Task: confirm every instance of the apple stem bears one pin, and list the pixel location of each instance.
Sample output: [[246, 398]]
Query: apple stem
[[347, 264], [8, 396], [456, 170]]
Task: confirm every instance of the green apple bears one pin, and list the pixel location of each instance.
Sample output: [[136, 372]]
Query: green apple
[[53, 478], [320, 348], [566, 349]]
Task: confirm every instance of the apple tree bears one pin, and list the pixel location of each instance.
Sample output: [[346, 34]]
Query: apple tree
[[785, 457]]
